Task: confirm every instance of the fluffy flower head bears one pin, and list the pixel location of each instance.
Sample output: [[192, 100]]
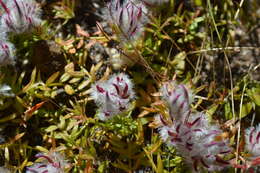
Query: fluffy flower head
[[252, 141], [113, 96], [19, 16], [252, 138], [178, 98], [191, 133], [129, 18], [196, 141], [51, 163]]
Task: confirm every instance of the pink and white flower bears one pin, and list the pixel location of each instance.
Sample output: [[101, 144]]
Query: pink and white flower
[[52, 162], [129, 17], [20, 16], [252, 139], [113, 96], [252, 146], [191, 133], [178, 98]]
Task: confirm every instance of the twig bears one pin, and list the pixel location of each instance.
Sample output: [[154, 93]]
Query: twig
[[217, 49]]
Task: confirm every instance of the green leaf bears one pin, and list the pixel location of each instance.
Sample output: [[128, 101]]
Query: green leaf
[[246, 109], [51, 128], [52, 78], [228, 111], [41, 149], [30, 84], [159, 164], [69, 90], [212, 109], [254, 94], [74, 80], [7, 118], [65, 77], [198, 2], [195, 23], [179, 62], [83, 84]]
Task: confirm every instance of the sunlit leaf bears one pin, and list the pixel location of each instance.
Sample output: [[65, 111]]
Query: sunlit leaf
[[69, 90], [246, 109], [254, 94], [52, 78], [33, 78]]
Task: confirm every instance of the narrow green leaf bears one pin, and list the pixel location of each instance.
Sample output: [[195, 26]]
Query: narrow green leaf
[[52, 78], [51, 128], [159, 164], [228, 112], [246, 109], [32, 81]]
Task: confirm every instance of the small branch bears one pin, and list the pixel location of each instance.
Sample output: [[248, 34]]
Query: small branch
[[217, 49]]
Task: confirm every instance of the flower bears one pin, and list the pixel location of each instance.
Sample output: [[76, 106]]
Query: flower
[[196, 140], [52, 162], [191, 133], [178, 98], [129, 18], [19, 16], [252, 139], [252, 146], [7, 53], [113, 96]]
